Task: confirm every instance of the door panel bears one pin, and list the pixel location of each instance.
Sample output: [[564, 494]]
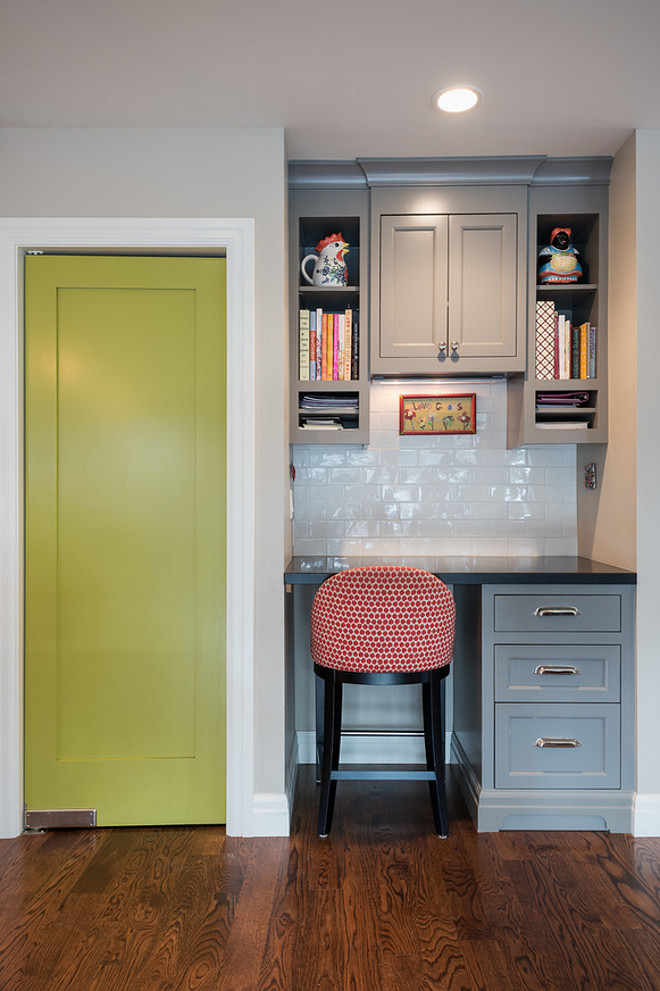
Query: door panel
[[125, 537], [483, 285], [413, 292]]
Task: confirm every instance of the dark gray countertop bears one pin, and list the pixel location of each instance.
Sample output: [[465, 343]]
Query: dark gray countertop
[[472, 570]]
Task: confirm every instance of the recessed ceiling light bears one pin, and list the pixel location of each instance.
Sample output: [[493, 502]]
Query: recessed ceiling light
[[457, 99]]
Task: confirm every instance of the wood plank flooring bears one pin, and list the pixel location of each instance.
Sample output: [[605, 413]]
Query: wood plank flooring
[[382, 905]]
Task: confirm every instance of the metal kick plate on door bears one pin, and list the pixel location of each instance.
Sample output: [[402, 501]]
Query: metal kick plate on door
[[60, 818]]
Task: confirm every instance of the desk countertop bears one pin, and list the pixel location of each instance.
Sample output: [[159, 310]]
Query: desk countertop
[[472, 570]]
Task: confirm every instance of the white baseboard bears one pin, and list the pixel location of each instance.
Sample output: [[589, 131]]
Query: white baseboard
[[270, 815], [371, 748], [646, 815]]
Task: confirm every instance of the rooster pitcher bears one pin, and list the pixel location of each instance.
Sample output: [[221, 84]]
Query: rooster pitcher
[[330, 266]]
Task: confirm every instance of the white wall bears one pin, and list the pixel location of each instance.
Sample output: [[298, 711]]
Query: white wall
[[623, 529], [607, 516], [193, 173], [648, 477], [450, 495]]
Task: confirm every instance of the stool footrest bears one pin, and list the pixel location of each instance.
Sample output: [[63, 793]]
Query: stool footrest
[[382, 775]]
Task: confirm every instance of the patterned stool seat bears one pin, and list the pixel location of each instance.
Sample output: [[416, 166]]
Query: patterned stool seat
[[383, 624]]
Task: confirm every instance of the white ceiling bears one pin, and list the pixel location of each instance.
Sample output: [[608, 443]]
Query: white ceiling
[[344, 78]]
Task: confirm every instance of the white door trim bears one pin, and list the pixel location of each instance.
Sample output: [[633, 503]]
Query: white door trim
[[235, 238]]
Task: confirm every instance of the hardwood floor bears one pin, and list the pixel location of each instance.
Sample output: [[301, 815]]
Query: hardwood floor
[[382, 905]]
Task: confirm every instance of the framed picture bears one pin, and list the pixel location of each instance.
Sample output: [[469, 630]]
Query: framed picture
[[438, 414]]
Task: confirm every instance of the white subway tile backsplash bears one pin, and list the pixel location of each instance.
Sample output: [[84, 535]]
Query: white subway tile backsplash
[[526, 511], [326, 529], [326, 456], [431, 456], [401, 493], [417, 510], [351, 474], [386, 475], [490, 511], [437, 493], [345, 511], [434, 495], [361, 528]]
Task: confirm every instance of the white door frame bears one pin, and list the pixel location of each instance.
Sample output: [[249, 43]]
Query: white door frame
[[235, 238]]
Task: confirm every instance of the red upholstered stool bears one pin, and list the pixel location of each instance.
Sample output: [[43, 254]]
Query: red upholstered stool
[[383, 625]]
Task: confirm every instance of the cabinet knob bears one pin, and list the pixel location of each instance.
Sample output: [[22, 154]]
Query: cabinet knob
[[454, 346], [442, 348]]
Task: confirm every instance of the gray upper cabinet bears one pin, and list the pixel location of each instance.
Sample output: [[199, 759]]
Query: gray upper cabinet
[[448, 287]]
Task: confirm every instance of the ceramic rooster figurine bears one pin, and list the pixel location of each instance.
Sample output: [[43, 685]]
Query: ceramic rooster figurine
[[329, 265]]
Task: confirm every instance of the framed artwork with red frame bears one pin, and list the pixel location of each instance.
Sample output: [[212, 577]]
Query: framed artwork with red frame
[[419, 415]]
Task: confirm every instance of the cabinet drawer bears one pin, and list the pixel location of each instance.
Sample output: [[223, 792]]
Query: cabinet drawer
[[557, 673], [557, 746], [557, 613]]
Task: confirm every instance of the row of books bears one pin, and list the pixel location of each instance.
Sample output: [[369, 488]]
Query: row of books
[[563, 350], [329, 346]]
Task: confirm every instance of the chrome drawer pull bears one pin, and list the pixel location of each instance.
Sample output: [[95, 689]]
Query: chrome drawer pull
[[557, 611], [557, 741], [556, 669]]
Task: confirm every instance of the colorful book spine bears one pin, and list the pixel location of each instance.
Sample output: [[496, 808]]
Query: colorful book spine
[[591, 359], [575, 352], [324, 347], [584, 350], [561, 342], [330, 347], [355, 348], [319, 340], [335, 345], [545, 334], [312, 345], [303, 350], [341, 322], [348, 346]]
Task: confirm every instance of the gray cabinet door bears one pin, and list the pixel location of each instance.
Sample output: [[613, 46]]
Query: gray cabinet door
[[413, 286], [448, 291], [483, 285]]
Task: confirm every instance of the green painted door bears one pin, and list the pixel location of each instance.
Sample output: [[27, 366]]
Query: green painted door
[[125, 537]]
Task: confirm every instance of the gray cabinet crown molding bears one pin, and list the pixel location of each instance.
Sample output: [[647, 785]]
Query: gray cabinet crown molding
[[326, 175], [574, 171], [449, 171], [363, 173]]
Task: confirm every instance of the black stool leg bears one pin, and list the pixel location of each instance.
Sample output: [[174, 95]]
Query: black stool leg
[[428, 739], [435, 729], [428, 735], [331, 744], [320, 697]]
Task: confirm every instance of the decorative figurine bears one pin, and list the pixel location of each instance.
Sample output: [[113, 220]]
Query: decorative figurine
[[558, 260], [330, 267]]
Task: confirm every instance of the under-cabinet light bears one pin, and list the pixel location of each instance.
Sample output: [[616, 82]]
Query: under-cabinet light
[[457, 99]]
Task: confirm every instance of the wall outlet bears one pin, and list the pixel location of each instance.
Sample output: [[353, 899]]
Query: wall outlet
[[591, 476]]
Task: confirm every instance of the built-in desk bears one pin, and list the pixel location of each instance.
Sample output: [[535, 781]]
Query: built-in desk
[[542, 685]]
